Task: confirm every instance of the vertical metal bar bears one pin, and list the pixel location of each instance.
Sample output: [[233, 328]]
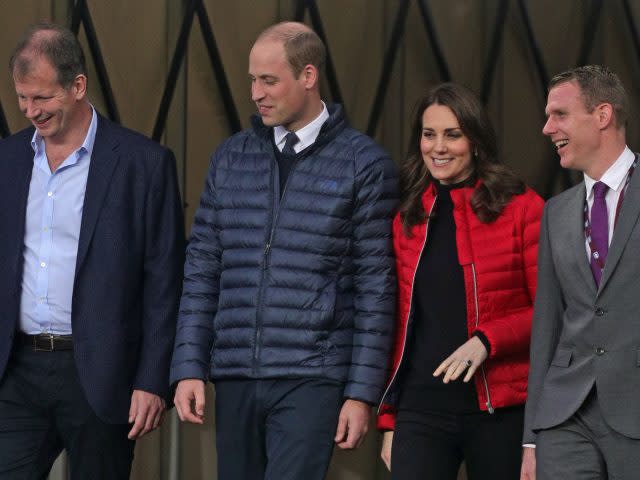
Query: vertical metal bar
[[174, 446], [301, 7], [332, 77], [76, 17], [387, 66], [429, 27], [81, 14], [590, 28], [174, 70], [218, 69], [633, 27], [496, 44], [543, 78]]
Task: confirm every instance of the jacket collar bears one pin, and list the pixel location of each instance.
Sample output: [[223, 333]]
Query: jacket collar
[[334, 125]]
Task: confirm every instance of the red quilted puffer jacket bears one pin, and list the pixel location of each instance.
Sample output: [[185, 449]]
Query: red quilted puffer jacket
[[499, 265]]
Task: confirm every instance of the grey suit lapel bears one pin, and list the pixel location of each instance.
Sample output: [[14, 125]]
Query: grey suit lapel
[[627, 219], [574, 224], [103, 162]]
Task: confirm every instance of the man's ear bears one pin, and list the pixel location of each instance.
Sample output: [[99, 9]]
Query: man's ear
[[79, 87], [604, 112], [310, 76]]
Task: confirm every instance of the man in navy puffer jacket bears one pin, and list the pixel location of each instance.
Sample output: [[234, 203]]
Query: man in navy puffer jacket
[[289, 289]]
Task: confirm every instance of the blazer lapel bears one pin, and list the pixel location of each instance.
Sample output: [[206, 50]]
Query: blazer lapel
[[21, 178], [627, 219], [104, 159], [20, 175], [576, 240]]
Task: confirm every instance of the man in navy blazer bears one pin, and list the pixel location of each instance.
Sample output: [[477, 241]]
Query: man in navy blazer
[[91, 253]]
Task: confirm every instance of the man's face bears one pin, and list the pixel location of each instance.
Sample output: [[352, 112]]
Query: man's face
[[574, 131], [281, 98], [51, 108]]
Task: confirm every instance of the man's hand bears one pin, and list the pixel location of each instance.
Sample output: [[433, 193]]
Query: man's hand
[[469, 356], [189, 400], [528, 470], [353, 424], [146, 412], [385, 452]]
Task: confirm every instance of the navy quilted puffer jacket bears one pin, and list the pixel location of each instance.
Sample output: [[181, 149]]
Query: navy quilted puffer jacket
[[302, 286]]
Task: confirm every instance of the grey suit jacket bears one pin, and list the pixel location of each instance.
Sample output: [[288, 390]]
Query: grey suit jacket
[[582, 335]]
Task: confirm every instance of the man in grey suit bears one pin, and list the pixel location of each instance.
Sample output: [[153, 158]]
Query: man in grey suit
[[582, 416]]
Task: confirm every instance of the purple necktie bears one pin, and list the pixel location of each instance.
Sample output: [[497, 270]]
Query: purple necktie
[[599, 230]]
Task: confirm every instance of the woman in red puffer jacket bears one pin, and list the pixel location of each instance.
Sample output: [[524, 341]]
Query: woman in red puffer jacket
[[466, 240]]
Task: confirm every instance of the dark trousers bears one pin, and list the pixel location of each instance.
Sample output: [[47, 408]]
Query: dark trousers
[[276, 429], [585, 448], [43, 410], [432, 445]]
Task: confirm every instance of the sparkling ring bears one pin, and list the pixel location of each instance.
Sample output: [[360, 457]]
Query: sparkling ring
[[468, 363]]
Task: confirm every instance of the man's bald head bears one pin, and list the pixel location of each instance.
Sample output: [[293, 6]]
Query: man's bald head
[[302, 45], [58, 45]]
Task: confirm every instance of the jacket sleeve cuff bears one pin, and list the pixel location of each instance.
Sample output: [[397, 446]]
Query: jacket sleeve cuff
[[386, 421], [485, 341]]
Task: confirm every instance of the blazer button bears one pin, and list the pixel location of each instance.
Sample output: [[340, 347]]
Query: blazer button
[[599, 312], [600, 351]]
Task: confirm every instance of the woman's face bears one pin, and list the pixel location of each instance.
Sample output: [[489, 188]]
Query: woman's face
[[446, 151]]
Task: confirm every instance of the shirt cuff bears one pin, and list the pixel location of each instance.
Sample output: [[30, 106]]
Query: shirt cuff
[[529, 445]]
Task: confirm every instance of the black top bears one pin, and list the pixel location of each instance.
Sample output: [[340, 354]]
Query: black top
[[439, 322]]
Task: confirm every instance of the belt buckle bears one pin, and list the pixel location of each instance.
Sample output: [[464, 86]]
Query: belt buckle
[[36, 348]]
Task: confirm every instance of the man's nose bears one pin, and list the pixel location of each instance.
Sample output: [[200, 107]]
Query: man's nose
[[30, 109], [256, 92], [548, 127]]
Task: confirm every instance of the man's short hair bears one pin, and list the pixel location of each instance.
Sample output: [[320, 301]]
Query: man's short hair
[[597, 85], [55, 43], [302, 45]]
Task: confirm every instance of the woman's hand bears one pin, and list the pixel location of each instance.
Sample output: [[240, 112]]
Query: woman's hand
[[469, 356], [385, 451]]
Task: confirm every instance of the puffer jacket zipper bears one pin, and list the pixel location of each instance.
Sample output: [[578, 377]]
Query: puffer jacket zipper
[[266, 256], [484, 377], [404, 341]]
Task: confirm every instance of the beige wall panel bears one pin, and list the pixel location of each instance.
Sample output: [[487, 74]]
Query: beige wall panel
[[356, 37], [197, 450], [522, 115], [621, 57], [133, 41], [206, 117]]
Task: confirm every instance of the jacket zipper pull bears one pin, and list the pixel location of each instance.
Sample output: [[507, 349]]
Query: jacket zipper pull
[[490, 407]]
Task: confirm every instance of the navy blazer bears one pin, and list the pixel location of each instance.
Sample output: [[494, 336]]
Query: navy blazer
[[128, 270]]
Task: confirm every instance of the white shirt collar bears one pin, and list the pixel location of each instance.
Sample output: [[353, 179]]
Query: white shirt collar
[[306, 135], [615, 175]]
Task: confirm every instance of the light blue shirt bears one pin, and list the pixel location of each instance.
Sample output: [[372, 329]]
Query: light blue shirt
[[52, 230]]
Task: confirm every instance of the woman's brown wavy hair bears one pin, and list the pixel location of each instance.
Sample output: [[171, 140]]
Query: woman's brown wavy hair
[[498, 185]]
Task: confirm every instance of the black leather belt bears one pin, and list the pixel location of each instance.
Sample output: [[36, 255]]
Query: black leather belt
[[45, 342]]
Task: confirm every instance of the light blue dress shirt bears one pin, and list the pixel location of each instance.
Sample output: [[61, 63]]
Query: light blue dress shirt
[[52, 230]]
